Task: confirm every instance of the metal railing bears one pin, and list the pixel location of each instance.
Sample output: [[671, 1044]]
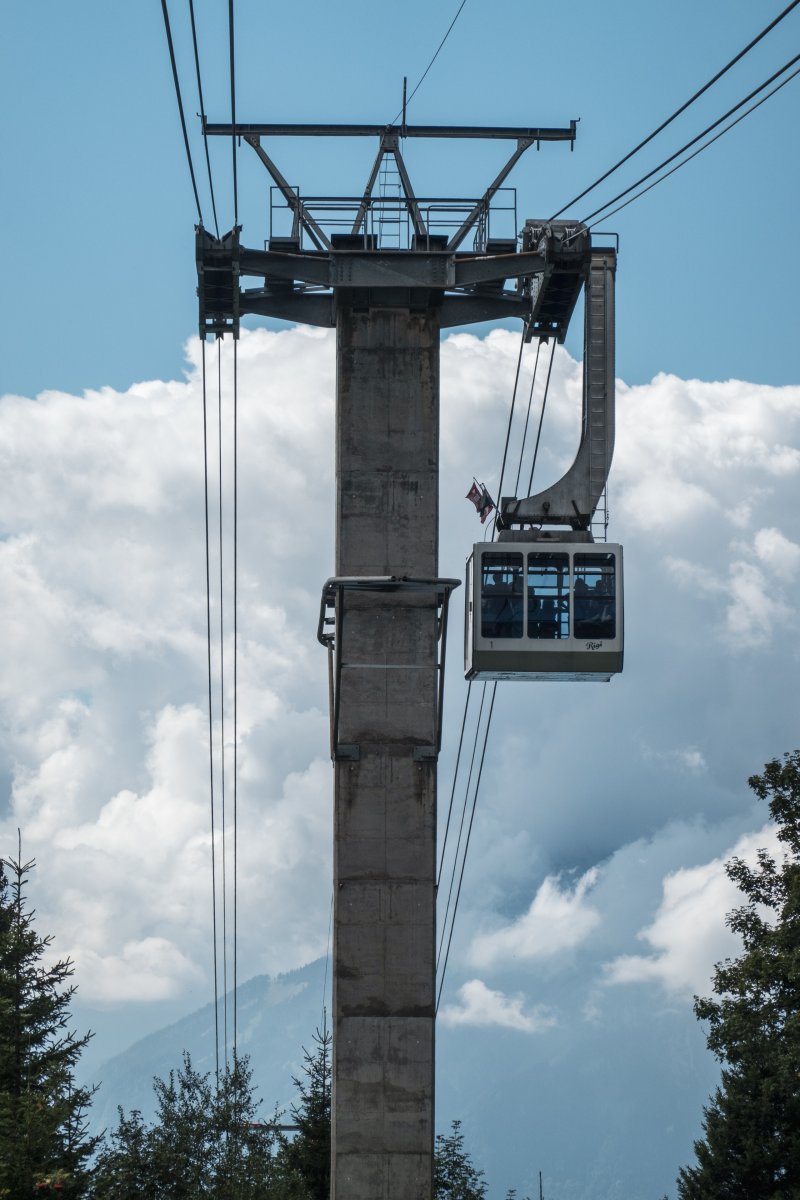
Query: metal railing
[[384, 222]]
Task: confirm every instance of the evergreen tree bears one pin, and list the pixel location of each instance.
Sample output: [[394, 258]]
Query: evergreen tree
[[205, 1141], [454, 1175], [751, 1147], [123, 1166], [44, 1146], [308, 1155]]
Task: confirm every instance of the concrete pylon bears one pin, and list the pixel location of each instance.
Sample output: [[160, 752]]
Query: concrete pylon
[[384, 924]]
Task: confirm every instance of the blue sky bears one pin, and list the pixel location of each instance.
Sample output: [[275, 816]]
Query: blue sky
[[98, 210], [596, 905]]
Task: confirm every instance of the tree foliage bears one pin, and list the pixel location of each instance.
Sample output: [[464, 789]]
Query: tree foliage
[[751, 1146], [455, 1177], [308, 1155], [44, 1145], [208, 1141], [205, 1141]]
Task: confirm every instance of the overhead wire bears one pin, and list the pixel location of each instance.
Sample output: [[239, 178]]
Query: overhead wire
[[527, 417], [469, 686], [232, 58], [693, 141], [203, 114], [466, 847], [222, 713], [673, 116], [447, 935], [176, 82], [215, 932], [453, 789], [699, 150], [234, 889], [224, 766], [327, 959], [210, 719], [510, 419], [235, 691], [460, 831], [421, 79], [541, 416], [231, 43]]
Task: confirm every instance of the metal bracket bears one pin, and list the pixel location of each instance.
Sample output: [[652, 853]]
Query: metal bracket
[[565, 247], [572, 500], [301, 274], [329, 634], [218, 282]]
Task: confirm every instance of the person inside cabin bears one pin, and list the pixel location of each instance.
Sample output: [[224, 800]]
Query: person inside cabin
[[534, 605], [493, 603], [583, 604], [603, 615]]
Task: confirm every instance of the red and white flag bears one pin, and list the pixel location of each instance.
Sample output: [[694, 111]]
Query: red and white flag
[[481, 499]]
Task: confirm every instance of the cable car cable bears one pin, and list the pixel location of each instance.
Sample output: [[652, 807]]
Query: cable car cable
[[480, 711], [453, 788], [527, 416], [699, 149], [222, 715], [327, 958], [180, 107], [692, 141], [460, 830], [466, 703], [233, 110], [433, 60], [210, 718], [235, 685], [489, 719], [510, 419], [203, 115], [466, 847], [541, 417], [737, 58]]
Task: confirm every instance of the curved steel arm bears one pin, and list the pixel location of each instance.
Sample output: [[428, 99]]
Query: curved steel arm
[[573, 499]]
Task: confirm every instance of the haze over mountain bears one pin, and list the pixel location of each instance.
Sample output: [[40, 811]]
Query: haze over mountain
[[605, 1115]]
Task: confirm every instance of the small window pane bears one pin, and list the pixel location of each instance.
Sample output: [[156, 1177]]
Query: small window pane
[[548, 595], [501, 596], [595, 596]]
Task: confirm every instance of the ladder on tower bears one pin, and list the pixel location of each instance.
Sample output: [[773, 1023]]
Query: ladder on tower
[[392, 213]]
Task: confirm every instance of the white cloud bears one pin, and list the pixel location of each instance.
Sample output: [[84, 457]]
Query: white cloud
[[103, 693], [151, 969], [754, 611], [753, 607], [557, 920], [103, 722], [777, 552], [688, 934], [691, 451], [480, 1005], [682, 758]]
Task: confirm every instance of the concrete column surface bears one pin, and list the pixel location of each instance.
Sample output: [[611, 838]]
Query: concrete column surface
[[387, 452]]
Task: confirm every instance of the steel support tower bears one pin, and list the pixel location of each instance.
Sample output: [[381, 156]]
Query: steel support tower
[[383, 615]]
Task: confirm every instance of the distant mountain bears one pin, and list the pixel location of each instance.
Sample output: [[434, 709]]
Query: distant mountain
[[275, 1019], [606, 1112]]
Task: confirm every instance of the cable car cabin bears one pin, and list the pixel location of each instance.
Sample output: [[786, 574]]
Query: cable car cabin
[[544, 610]]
